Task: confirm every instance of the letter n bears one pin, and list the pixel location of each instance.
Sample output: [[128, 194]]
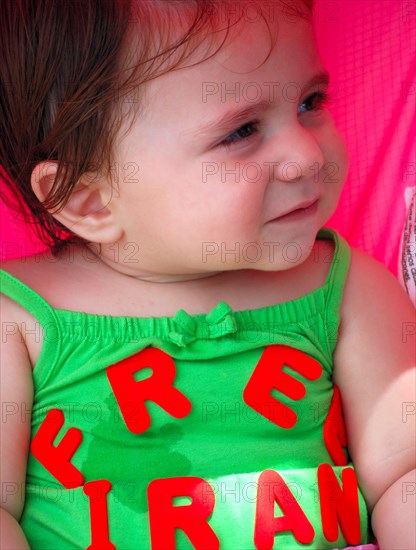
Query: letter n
[[339, 505]]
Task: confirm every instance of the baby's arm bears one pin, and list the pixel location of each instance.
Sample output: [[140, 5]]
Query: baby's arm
[[16, 390], [375, 371]]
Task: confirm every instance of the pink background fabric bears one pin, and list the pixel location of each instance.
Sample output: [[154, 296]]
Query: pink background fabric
[[368, 46]]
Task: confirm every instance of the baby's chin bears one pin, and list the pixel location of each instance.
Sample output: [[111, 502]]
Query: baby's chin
[[287, 253], [282, 265], [272, 256]]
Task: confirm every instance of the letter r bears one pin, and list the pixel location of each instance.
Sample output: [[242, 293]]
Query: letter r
[[157, 388]]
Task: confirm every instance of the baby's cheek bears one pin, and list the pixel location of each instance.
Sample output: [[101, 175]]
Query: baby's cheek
[[334, 171], [336, 159]]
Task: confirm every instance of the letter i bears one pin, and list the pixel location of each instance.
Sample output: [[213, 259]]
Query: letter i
[[96, 492]]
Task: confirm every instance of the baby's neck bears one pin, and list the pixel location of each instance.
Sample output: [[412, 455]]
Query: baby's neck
[[177, 278], [132, 269]]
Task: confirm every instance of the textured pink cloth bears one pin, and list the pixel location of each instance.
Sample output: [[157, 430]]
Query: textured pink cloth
[[366, 46], [368, 51]]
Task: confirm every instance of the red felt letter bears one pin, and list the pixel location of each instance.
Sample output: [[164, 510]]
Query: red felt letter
[[268, 375], [271, 489], [165, 517], [157, 388], [97, 495], [339, 505], [57, 460], [335, 435]]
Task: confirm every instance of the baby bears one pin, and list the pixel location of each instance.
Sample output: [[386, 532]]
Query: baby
[[196, 363]]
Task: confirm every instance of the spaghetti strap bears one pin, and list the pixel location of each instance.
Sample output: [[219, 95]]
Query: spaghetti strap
[[340, 266], [333, 290], [30, 300]]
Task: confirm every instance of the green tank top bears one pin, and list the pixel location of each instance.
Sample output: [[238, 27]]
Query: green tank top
[[193, 431]]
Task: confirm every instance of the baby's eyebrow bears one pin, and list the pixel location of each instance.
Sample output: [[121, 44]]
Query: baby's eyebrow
[[320, 79], [230, 120]]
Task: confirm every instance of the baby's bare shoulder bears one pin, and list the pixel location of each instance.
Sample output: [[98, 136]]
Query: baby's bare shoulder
[[57, 279], [371, 286]]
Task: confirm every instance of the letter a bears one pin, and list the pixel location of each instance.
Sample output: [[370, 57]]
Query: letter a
[[271, 489]]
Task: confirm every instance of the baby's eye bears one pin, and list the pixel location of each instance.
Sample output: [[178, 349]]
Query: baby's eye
[[314, 102], [244, 133]]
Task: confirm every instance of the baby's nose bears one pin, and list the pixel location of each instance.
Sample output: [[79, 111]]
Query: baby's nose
[[298, 154]]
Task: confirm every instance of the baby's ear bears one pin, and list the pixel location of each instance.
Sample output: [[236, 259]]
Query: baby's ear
[[88, 212]]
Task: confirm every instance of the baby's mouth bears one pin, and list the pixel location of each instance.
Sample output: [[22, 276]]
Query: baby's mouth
[[306, 209]]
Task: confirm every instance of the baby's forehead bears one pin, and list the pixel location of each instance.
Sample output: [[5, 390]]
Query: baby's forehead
[[221, 54], [241, 72], [201, 29]]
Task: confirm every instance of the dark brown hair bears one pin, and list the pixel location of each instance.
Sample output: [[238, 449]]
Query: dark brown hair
[[67, 73]]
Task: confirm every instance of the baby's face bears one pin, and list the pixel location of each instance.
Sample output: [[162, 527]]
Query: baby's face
[[212, 195]]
